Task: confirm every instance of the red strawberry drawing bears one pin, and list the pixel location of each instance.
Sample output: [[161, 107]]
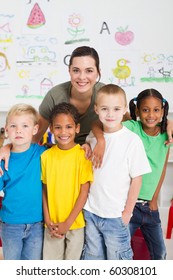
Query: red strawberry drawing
[[124, 36]]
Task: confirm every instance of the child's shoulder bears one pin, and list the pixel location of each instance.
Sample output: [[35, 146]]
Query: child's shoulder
[[132, 135], [37, 147]]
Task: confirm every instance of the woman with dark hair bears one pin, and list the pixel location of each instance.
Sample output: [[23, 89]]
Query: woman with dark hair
[[84, 70]]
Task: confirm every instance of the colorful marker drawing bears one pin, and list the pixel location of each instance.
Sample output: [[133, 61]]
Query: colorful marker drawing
[[4, 65], [76, 30], [124, 36], [157, 68], [6, 34], [122, 71], [36, 18]]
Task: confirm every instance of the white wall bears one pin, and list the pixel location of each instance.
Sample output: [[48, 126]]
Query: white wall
[[28, 79]]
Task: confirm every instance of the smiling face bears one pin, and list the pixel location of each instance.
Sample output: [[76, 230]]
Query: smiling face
[[20, 130], [111, 108], [83, 73], [150, 112], [64, 130]]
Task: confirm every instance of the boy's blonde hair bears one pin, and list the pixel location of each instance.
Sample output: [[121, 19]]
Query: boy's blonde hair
[[110, 89], [21, 109]]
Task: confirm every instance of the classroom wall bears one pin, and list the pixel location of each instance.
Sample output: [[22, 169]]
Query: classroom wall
[[37, 38]]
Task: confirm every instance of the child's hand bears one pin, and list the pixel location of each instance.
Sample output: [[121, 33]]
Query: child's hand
[[153, 205], [62, 228], [87, 149], [98, 153], [126, 217], [53, 230]]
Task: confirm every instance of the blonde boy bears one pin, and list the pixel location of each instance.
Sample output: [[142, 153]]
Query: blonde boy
[[21, 213]]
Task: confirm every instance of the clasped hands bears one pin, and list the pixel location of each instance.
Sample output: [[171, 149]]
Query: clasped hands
[[57, 230]]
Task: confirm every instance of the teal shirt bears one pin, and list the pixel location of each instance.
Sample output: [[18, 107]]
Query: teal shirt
[[156, 152]]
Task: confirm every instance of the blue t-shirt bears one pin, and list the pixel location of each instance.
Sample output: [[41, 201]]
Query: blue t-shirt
[[22, 187]]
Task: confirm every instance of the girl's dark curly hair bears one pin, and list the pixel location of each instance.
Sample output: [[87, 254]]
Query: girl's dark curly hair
[[136, 102]]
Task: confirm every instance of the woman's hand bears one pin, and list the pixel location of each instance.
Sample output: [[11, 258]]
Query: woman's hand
[[88, 151], [98, 153], [169, 130]]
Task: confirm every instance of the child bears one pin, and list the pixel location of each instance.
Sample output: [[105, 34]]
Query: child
[[66, 175], [116, 184], [152, 110], [21, 213]]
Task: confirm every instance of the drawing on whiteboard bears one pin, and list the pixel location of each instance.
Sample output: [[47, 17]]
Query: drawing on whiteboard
[[124, 36], [122, 71], [35, 82], [40, 53], [36, 18], [45, 85], [4, 65], [76, 30], [157, 68], [36, 50], [5, 73], [5, 28]]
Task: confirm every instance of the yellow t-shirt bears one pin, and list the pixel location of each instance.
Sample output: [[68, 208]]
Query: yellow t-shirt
[[63, 171]]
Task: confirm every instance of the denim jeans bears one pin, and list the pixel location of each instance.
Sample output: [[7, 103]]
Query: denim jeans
[[106, 239], [149, 223], [22, 241]]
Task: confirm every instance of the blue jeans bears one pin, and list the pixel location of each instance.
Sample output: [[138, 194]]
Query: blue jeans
[[22, 241], [106, 239], [149, 223]]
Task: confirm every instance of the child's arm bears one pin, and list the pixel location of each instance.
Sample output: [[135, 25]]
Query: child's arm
[[80, 202], [131, 199], [50, 225], [153, 202]]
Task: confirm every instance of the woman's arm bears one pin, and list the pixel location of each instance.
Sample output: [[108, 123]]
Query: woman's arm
[[169, 130], [43, 126], [99, 149], [80, 202]]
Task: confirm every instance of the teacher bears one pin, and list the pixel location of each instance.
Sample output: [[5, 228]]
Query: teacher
[[84, 70]]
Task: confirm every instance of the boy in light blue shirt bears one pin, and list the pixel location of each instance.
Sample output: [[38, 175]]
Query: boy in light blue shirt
[[21, 214]]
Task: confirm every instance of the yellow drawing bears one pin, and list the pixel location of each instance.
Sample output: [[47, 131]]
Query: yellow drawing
[[3, 62], [122, 71]]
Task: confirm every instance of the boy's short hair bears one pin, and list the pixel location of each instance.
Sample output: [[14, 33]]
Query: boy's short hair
[[67, 109], [21, 109], [110, 89]]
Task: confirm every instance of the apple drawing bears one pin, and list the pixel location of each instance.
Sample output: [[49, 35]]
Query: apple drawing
[[124, 36]]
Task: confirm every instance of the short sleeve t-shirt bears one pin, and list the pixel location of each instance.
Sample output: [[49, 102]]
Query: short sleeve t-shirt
[[61, 93]]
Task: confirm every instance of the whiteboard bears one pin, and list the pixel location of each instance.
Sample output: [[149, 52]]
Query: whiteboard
[[37, 38]]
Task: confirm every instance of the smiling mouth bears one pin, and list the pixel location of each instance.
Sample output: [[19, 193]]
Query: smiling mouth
[[63, 138], [82, 84], [150, 121]]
